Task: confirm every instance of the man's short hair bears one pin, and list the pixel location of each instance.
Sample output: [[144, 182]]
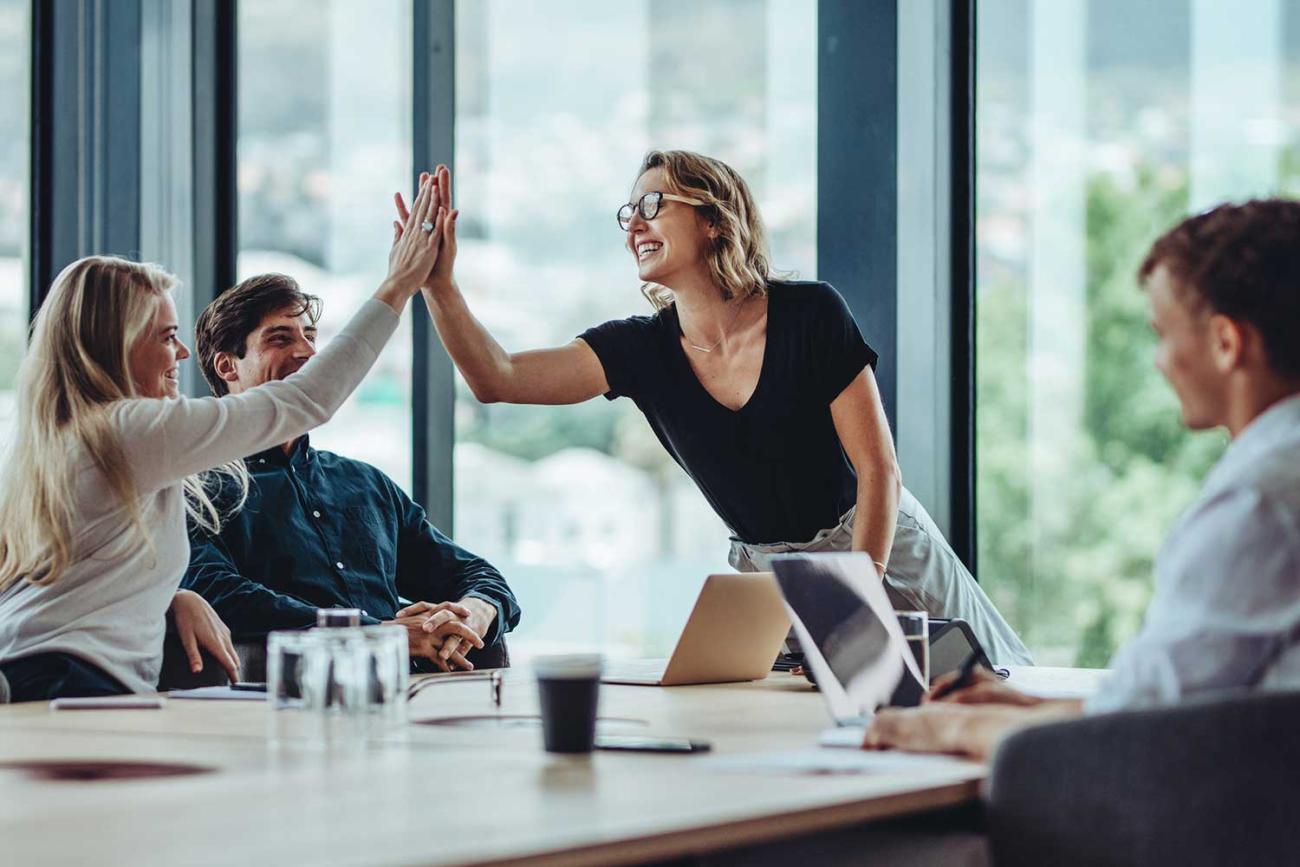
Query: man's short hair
[[1243, 261], [224, 325]]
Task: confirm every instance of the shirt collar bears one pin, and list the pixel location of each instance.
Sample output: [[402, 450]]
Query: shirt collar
[[301, 453], [1273, 427]]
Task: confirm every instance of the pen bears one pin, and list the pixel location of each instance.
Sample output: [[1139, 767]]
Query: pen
[[965, 677]]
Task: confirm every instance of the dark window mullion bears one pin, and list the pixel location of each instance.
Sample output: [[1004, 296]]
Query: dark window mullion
[[433, 392], [962, 533]]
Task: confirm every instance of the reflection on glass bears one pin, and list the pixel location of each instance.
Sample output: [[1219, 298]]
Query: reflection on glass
[[324, 141], [1099, 125], [15, 133], [603, 538]]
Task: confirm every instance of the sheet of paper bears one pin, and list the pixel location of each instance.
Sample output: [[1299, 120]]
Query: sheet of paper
[[847, 737], [818, 761], [1046, 682], [218, 693]]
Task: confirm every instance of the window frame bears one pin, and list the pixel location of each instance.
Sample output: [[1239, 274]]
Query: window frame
[[91, 119]]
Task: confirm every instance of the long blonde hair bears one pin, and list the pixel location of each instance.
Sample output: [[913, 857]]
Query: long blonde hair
[[738, 260], [77, 366]]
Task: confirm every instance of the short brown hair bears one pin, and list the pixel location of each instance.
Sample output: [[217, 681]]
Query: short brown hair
[[1243, 261], [224, 325]]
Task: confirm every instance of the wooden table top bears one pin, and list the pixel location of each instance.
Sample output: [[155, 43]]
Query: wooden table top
[[442, 793]]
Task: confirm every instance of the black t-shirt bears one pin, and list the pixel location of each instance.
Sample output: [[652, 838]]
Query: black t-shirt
[[774, 470]]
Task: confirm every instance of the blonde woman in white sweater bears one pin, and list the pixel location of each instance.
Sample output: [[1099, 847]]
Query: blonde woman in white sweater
[[108, 458]]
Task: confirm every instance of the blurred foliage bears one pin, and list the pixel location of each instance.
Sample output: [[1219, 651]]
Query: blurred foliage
[[1076, 587]]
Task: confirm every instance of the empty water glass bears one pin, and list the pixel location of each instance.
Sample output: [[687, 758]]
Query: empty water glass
[[339, 683]]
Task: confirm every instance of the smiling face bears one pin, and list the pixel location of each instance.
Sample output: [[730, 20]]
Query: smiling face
[[278, 347], [1188, 350], [673, 243], [156, 354]]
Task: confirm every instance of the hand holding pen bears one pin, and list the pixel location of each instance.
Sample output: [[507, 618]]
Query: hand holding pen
[[965, 678], [974, 684]]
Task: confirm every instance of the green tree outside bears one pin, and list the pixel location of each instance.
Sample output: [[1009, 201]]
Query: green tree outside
[[1078, 591]]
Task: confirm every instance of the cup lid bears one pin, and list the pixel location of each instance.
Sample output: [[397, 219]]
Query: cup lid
[[569, 666]]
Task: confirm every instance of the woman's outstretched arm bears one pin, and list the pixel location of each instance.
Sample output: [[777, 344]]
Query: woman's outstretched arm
[[565, 374]]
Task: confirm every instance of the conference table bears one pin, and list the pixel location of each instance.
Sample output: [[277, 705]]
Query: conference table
[[464, 781]]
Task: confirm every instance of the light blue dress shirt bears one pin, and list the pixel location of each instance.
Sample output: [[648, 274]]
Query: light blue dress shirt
[[1226, 609]]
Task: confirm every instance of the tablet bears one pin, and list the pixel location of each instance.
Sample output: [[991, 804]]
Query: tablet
[[951, 641]]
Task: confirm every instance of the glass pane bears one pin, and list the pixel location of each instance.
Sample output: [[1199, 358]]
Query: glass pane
[[324, 140], [1100, 125], [15, 135], [603, 538]]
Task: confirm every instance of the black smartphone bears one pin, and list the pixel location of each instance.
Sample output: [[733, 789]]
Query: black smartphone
[[248, 686], [639, 744]]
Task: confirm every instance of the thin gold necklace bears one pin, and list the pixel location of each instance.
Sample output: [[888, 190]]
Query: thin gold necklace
[[734, 317]]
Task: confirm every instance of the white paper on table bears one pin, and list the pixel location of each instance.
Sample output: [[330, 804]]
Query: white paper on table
[[843, 737], [218, 693], [823, 761]]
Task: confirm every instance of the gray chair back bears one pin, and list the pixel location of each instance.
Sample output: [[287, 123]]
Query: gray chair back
[[4, 688], [1209, 782]]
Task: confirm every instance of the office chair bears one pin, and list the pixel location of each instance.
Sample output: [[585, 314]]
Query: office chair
[[1210, 782]]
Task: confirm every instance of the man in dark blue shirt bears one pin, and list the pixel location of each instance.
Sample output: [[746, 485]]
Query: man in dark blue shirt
[[319, 530]]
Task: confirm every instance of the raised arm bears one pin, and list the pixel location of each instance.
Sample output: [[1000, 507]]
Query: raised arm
[[561, 375], [167, 440]]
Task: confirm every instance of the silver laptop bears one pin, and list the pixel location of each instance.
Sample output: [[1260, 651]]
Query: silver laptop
[[849, 634], [734, 633]]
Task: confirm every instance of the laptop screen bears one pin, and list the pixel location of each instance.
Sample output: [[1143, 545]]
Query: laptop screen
[[847, 628]]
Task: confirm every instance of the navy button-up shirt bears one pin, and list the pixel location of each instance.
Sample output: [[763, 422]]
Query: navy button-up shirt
[[321, 531]]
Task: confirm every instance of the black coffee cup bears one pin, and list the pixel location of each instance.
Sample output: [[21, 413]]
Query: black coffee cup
[[568, 688]]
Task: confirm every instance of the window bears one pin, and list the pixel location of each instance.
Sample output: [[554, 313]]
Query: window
[[15, 137], [324, 141], [603, 538], [1099, 125]]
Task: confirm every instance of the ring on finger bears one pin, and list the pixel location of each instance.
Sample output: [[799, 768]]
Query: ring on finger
[[427, 225]]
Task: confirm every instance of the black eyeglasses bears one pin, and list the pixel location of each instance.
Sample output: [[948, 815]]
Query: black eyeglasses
[[648, 205]]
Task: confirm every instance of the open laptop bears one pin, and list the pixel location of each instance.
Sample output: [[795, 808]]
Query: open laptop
[[734, 632], [849, 634]]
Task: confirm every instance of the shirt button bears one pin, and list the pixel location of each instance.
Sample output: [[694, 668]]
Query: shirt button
[[315, 514], [339, 565]]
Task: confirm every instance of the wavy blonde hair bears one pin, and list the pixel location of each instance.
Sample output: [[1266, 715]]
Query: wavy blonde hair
[[77, 366], [738, 259]]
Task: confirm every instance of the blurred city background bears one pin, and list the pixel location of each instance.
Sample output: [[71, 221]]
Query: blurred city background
[[1098, 125]]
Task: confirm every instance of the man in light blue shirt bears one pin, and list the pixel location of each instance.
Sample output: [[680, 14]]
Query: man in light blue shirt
[[1224, 297]]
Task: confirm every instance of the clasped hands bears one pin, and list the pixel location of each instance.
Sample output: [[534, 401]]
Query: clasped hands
[[444, 633]]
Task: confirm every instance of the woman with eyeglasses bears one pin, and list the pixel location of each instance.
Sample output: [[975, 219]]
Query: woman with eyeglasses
[[761, 389]]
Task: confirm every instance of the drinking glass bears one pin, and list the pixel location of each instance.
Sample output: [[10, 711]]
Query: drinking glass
[[916, 631]]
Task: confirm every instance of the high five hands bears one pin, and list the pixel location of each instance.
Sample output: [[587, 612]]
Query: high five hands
[[417, 243], [440, 274]]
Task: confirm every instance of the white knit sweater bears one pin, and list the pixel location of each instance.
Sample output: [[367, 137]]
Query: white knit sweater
[[110, 606]]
